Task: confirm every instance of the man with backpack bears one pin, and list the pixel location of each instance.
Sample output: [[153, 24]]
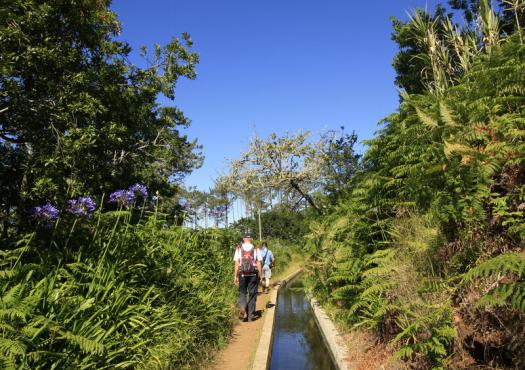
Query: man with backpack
[[247, 271], [268, 262]]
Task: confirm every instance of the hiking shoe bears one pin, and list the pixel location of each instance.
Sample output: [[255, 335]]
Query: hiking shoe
[[251, 318], [242, 315]]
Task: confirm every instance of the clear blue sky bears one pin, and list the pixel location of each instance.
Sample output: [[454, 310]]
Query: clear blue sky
[[274, 66]]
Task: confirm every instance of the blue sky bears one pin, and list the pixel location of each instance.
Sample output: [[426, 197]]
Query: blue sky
[[274, 66]]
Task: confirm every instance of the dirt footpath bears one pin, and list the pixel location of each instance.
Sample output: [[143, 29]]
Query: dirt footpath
[[238, 355]]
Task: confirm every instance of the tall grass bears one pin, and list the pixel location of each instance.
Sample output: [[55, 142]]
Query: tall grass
[[115, 292]]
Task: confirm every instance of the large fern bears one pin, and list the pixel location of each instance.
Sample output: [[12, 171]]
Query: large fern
[[506, 274]]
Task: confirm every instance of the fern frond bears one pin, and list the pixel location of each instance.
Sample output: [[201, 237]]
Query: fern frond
[[345, 291], [426, 119], [455, 148], [13, 295], [377, 289], [14, 313], [507, 294], [12, 347], [403, 353], [508, 263], [6, 327], [446, 116], [86, 345], [7, 363]]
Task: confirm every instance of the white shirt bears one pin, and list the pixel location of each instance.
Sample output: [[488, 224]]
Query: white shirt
[[247, 247]]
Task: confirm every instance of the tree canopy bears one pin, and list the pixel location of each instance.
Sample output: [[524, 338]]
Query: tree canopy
[[76, 117]]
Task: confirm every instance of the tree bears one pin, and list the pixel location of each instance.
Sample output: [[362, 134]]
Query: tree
[[408, 63], [75, 115], [341, 162], [511, 16], [288, 163], [435, 53], [279, 223], [224, 198], [515, 10]]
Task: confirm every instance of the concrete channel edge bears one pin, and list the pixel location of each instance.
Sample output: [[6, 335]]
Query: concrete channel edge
[[263, 354], [332, 337]]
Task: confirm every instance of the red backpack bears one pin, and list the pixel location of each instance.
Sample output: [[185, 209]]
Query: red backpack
[[247, 266]]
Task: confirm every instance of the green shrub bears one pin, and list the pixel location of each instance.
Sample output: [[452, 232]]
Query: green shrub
[[110, 293]]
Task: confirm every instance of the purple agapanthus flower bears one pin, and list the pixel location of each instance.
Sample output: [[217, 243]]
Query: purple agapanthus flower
[[47, 213], [218, 211], [139, 190], [83, 206], [124, 198], [187, 206]]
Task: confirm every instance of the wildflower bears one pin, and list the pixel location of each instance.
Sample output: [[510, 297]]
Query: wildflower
[[187, 206], [124, 198], [139, 190], [46, 213], [218, 211], [83, 206]]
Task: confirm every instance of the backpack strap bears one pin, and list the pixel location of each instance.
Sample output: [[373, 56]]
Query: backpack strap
[[238, 253]]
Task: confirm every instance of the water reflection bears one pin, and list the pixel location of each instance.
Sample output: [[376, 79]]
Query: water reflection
[[297, 342]]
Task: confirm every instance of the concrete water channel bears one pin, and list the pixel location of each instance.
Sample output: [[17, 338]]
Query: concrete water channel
[[298, 343]]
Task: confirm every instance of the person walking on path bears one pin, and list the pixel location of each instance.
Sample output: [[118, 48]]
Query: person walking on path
[[268, 262], [247, 272]]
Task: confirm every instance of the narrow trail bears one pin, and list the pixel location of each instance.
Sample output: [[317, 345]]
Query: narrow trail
[[239, 353]]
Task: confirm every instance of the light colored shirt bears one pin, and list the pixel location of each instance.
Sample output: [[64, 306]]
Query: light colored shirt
[[269, 257], [247, 247]]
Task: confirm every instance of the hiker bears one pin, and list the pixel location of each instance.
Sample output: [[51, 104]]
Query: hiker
[[268, 262], [246, 276]]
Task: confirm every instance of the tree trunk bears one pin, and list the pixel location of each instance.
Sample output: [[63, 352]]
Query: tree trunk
[[306, 196], [246, 207], [226, 215], [260, 225]]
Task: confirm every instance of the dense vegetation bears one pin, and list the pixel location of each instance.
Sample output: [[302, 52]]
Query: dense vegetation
[[90, 279], [108, 292], [279, 224], [420, 241], [427, 249]]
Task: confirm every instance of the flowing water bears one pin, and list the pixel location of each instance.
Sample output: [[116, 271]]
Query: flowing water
[[298, 343]]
